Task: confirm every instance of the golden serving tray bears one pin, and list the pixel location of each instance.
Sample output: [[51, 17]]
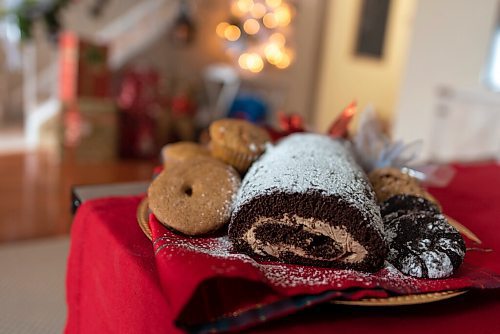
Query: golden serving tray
[[143, 221], [422, 298], [143, 218]]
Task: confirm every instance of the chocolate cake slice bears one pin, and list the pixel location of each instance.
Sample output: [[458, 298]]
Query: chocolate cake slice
[[306, 201]]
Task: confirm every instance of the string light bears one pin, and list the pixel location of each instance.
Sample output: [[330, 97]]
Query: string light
[[245, 5], [221, 28], [273, 3], [258, 10], [254, 63], [270, 21], [269, 45], [285, 60], [273, 54], [232, 33], [242, 61], [278, 39], [235, 10], [283, 15], [251, 26]]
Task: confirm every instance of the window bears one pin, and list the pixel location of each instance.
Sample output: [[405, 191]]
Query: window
[[494, 70]]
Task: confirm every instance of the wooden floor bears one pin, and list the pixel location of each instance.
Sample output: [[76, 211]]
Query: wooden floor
[[35, 190]]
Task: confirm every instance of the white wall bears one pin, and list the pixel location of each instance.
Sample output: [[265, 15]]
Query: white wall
[[345, 76], [449, 47]]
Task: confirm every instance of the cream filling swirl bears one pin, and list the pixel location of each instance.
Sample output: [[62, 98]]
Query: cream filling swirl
[[352, 250]]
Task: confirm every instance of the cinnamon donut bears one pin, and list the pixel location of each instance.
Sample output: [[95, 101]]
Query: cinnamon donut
[[181, 151], [194, 196]]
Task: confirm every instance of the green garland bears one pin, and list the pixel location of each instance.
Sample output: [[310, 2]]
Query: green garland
[[30, 11]]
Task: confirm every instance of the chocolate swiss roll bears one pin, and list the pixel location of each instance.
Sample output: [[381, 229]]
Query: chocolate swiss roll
[[306, 201]]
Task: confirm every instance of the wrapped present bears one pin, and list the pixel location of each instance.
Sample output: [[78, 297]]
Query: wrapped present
[[143, 115], [84, 69], [91, 129]]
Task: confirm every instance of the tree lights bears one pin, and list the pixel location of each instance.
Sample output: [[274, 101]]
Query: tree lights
[[257, 32]]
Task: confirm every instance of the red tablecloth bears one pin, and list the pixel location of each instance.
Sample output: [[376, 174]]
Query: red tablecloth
[[113, 285]]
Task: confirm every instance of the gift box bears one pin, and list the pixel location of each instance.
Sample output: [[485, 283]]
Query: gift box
[[84, 68], [91, 129], [140, 107]]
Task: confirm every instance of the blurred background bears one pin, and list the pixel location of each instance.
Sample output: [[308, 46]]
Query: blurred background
[[91, 90]]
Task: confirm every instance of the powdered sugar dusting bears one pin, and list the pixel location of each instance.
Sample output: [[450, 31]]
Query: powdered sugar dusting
[[325, 165], [280, 275], [234, 185]]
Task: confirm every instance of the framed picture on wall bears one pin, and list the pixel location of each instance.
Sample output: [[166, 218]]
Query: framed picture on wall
[[372, 26]]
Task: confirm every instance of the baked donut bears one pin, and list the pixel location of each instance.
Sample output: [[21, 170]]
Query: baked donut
[[181, 151], [422, 244], [194, 196]]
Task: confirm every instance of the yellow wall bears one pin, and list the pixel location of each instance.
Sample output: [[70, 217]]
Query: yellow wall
[[344, 76]]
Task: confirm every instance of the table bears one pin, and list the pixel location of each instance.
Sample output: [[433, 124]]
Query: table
[[113, 287]]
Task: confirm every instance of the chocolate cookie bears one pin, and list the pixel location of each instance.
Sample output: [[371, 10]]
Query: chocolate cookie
[[423, 244], [402, 204], [194, 196]]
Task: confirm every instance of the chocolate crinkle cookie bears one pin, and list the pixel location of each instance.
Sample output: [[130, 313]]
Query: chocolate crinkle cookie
[[422, 243], [400, 205]]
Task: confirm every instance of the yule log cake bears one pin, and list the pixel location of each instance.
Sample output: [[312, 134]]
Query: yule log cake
[[306, 201]]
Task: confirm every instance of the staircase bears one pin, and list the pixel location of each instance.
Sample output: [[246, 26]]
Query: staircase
[[127, 35]]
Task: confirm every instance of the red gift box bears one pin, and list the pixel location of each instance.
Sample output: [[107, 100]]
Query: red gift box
[[83, 69]]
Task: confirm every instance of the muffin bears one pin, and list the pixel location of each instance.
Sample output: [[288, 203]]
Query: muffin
[[388, 182], [181, 151], [237, 142]]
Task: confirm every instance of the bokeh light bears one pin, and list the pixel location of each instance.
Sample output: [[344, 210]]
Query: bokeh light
[[278, 39], [254, 63], [232, 33], [251, 26], [283, 15], [258, 10], [221, 28], [273, 3], [270, 21], [245, 5], [286, 60], [259, 30], [273, 54], [235, 10], [242, 61]]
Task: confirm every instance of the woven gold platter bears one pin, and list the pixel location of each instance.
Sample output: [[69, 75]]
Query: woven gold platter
[[143, 221], [422, 298], [143, 218]]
